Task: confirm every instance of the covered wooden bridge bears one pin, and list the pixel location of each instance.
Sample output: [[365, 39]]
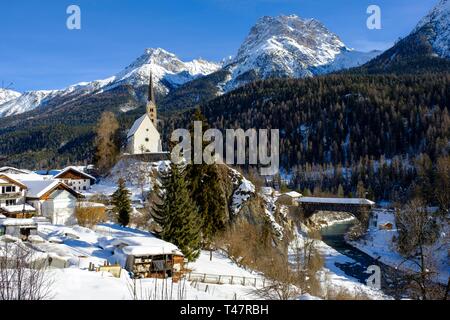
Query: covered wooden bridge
[[358, 207]]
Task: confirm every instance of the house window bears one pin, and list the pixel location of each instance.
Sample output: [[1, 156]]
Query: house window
[[84, 188], [8, 189], [11, 202], [146, 139], [2, 230]]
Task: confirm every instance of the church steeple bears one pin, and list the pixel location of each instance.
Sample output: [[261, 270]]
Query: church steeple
[[151, 105]]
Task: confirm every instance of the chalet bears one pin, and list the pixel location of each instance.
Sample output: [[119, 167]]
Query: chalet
[[12, 195], [149, 257], [75, 179], [53, 200]]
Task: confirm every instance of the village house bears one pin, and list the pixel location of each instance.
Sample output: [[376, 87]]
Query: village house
[[12, 198], [18, 228], [289, 198], [53, 199], [76, 179], [149, 257]]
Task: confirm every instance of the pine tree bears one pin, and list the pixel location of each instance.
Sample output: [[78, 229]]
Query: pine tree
[[177, 214], [122, 203], [207, 192]]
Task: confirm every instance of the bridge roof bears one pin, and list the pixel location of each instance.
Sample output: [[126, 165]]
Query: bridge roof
[[354, 201]]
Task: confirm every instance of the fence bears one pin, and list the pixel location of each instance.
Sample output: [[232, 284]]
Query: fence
[[226, 279]]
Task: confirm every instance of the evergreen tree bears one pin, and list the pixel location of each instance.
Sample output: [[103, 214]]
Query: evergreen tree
[[122, 203], [177, 214], [207, 192]]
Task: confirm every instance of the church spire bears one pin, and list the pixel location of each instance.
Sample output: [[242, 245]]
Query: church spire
[[151, 104], [151, 93]]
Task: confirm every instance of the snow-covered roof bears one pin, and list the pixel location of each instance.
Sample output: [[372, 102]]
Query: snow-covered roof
[[136, 125], [267, 190], [140, 246], [37, 188], [9, 178], [337, 200], [74, 169], [18, 208], [23, 171], [18, 222], [28, 177], [293, 194]]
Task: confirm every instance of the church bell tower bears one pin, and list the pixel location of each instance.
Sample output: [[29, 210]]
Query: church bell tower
[[151, 105]]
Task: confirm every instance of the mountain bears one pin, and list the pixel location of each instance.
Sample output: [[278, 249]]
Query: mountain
[[282, 46], [289, 46], [439, 22], [7, 95], [168, 71], [425, 49]]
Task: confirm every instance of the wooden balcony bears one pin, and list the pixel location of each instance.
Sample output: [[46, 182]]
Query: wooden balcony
[[12, 195]]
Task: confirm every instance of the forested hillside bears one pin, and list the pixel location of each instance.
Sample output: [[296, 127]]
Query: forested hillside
[[372, 126], [338, 132]]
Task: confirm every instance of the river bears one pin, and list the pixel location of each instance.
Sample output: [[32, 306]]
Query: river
[[333, 236]]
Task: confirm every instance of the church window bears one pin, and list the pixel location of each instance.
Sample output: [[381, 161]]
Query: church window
[[146, 139]]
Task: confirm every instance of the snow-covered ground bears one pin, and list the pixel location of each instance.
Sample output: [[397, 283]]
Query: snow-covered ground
[[75, 283], [379, 243], [76, 247], [333, 278]]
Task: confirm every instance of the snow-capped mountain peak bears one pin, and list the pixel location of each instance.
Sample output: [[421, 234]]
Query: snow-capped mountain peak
[[7, 95], [439, 20], [307, 38], [167, 69], [289, 46]]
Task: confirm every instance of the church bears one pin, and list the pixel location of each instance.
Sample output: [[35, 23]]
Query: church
[[143, 137]]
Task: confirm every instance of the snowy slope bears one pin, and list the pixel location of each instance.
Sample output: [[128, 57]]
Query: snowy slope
[[6, 95], [167, 69], [439, 20], [168, 72], [289, 46], [25, 102]]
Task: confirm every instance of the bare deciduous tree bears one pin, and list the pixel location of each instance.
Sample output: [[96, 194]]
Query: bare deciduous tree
[[23, 275], [106, 144], [418, 229]]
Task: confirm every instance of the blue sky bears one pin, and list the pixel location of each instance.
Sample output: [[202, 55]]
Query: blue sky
[[37, 51]]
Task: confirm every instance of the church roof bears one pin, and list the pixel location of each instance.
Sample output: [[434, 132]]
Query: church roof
[[137, 124]]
